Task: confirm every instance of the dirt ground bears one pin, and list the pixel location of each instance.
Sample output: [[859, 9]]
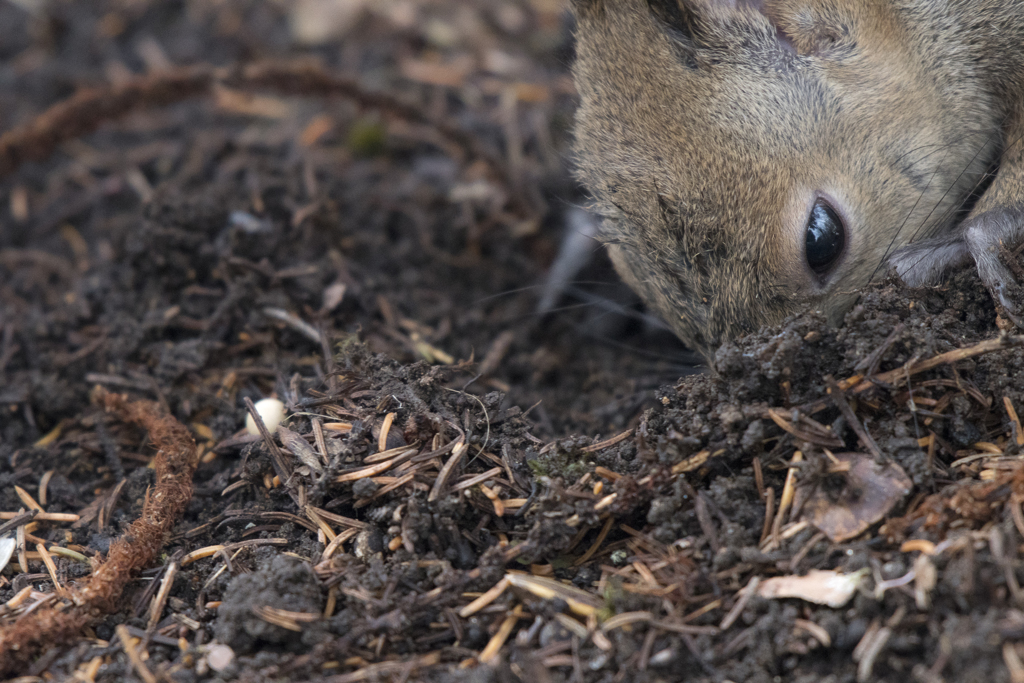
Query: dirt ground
[[361, 225]]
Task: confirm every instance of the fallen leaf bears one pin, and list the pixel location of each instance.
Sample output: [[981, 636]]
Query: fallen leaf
[[871, 492]]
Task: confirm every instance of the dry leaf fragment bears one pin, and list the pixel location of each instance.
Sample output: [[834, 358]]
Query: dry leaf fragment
[[300, 449], [822, 587], [925, 579], [872, 490], [315, 22], [333, 296], [247, 104], [692, 463], [579, 601]]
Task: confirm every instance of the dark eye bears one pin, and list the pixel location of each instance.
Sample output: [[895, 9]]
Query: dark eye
[[826, 237]]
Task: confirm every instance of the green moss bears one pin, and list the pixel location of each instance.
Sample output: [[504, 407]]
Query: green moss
[[570, 464], [350, 354], [367, 138]]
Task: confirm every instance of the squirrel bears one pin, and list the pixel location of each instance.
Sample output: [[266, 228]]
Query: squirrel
[[749, 157]]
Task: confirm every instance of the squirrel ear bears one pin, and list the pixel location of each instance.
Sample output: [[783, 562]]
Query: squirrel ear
[[674, 13], [684, 14], [696, 6], [718, 9], [588, 5]]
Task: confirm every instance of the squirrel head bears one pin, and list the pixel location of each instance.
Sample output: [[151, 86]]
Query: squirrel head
[[750, 158]]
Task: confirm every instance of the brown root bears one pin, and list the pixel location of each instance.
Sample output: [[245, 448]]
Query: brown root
[[89, 108], [175, 462]]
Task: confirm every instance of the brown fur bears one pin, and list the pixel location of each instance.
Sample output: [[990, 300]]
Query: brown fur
[[701, 132]]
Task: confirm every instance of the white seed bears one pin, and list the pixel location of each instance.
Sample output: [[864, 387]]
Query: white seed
[[220, 656], [7, 547], [271, 412]]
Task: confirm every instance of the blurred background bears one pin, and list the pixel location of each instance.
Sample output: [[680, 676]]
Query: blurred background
[[151, 249]]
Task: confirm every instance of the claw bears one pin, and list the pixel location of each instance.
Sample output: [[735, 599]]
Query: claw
[[985, 234], [1006, 302]]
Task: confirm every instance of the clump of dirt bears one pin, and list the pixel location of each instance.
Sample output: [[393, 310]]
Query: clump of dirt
[[281, 583]]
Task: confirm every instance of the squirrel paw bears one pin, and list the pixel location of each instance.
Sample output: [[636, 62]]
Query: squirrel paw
[[925, 262], [986, 237], [981, 238]]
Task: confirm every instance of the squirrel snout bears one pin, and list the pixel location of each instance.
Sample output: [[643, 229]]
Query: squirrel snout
[[700, 120]]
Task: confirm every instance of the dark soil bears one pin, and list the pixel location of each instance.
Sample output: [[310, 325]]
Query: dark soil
[[380, 274]]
